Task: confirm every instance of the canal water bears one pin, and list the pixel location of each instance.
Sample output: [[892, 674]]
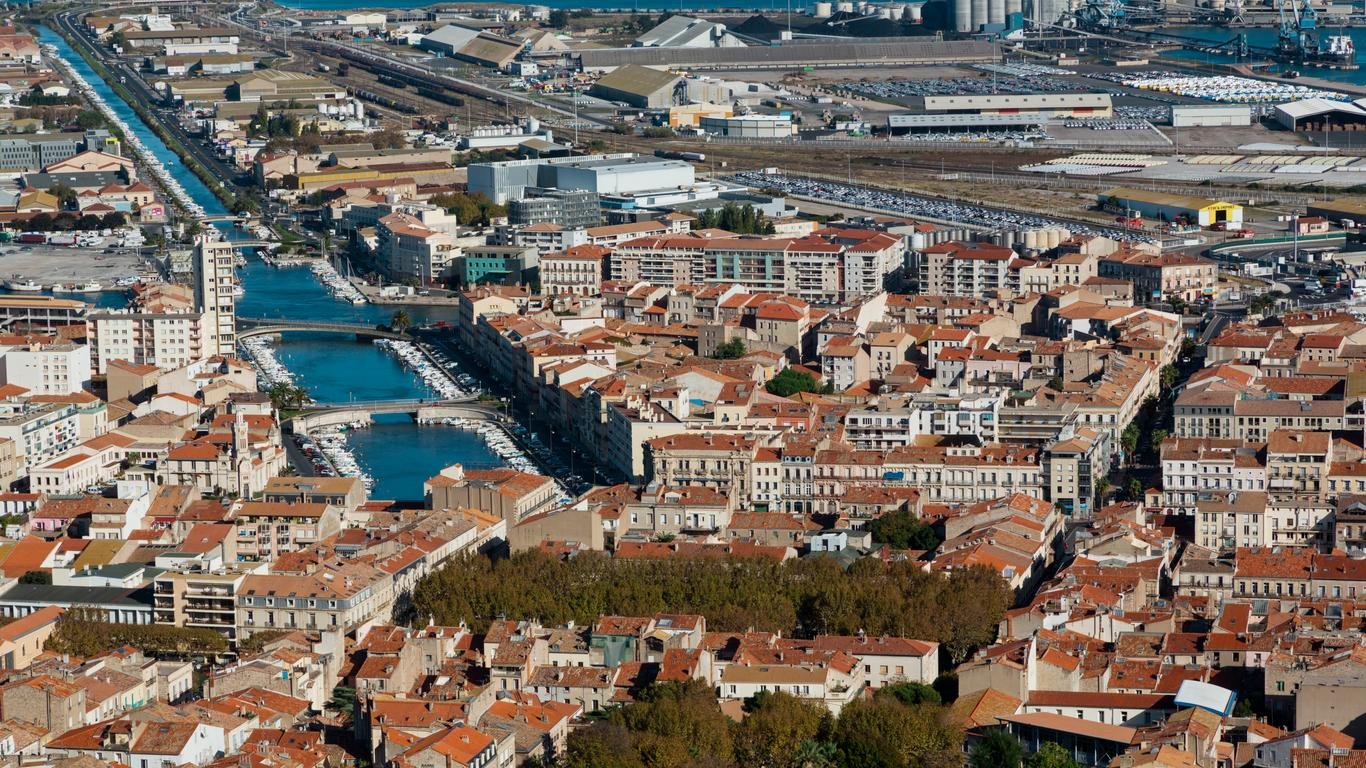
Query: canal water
[[396, 452]]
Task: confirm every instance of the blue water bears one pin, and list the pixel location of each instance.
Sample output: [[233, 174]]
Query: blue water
[[396, 452], [1264, 38]]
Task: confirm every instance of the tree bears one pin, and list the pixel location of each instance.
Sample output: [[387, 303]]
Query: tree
[[777, 726], [980, 597], [658, 132], [1128, 439], [343, 702], [731, 350], [1134, 489], [559, 19], [36, 577], [1168, 376], [1155, 442], [1102, 488], [1051, 755], [789, 382], [89, 119], [911, 694], [65, 195], [401, 321], [884, 733], [286, 397], [998, 749], [900, 529], [1055, 383]]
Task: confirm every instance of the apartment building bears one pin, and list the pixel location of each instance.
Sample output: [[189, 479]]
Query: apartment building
[[957, 268], [215, 265], [573, 272], [1162, 275], [41, 432], [167, 340], [343, 597], [198, 600], [47, 367], [268, 529], [1194, 467], [417, 246], [894, 424]]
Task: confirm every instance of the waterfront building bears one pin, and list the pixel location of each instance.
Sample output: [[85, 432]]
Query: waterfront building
[[215, 283]]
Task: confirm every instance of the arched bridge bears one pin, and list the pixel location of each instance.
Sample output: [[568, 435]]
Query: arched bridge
[[258, 326], [316, 415]]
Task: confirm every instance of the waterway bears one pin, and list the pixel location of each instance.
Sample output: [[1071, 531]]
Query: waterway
[[1265, 38], [396, 452]]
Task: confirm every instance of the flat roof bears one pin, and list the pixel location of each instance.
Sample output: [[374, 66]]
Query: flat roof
[[48, 594], [842, 53], [1117, 734], [930, 121]]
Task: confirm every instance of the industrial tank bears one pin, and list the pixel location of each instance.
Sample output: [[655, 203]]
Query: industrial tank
[[962, 15], [915, 12], [824, 10]]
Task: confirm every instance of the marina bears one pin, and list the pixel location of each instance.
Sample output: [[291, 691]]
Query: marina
[[438, 373]]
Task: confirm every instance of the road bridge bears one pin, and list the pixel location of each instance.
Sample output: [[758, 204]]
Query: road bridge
[[258, 326], [317, 415]]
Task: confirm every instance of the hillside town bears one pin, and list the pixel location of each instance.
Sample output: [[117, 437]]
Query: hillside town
[[504, 386]]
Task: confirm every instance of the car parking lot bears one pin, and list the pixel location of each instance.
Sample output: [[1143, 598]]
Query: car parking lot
[[916, 206]]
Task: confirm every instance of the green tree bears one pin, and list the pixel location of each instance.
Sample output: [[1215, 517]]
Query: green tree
[[401, 321], [981, 597], [286, 397], [559, 19], [1128, 439], [1134, 489], [1102, 488], [998, 749], [789, 382], [1155, 442], [36, 577], [1169, 375], [900, 529], [731, 350], [89, 119], [911, 694], [775, 729], [65, 195], [343, 702], [884, 733], [1051, 755]]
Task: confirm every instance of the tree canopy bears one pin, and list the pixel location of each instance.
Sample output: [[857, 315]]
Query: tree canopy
[[808, 595], [740, 219], [735, 348], [903, 530], [83, 632], [674, 725], [790, 381]]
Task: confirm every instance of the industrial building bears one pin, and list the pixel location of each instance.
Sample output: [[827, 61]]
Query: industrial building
[[616, 174], [749, 126], [1167, 207], [1054, 105], [949, 123], [476, 46], [972, 15], [1322, 115], [641, 87], [1339, 210], [1210, 115], [814, 53], [688, 32]]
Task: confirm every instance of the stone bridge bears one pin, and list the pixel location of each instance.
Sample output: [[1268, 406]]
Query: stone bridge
[[318, 415], [256, 326]]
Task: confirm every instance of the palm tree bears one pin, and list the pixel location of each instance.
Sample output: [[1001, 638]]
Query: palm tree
[[401, 321]]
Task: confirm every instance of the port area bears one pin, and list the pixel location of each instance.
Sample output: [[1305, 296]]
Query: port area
[[61, 264], [435, 297]]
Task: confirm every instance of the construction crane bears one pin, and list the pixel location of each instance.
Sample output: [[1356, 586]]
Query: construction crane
[[1299, 42]]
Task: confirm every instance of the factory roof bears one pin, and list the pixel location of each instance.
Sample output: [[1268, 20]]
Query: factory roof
[[679, 30], [926, 121], [452, 35], [843, 53], [1163, 198], [638, 80], [1311, 107]]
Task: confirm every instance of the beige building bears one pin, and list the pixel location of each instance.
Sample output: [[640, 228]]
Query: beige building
[[268, 529], [574, 272], [344, 597], [197, 600], [507, 493]]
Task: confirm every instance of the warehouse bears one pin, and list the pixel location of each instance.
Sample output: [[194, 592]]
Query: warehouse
[[749, 126], [951, 123], [1339, 211], [1165, 207], [1210, 115], [1039, 104], [1321, 115], [617, 174], [641, 87], [812, 53]]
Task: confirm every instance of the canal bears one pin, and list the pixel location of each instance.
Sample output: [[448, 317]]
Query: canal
[[396, 452]]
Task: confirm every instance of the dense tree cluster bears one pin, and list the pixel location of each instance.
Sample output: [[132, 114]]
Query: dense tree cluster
[[740, 219], [67, 221], [731, 350], [681, 724], [790, 381], [903, 530], [810, 596], [81, 632], [470, 210]]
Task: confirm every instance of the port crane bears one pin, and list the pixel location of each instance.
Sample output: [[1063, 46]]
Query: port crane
[[1299, 41]]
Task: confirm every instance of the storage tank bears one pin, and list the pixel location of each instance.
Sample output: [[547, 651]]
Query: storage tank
[[861, 6], [962, 15], [996, 11], [916, 12], [919, 241], [895, 12], [884, 12], [1031, 239], [979, 13], [824, 10], [1014, 6], [844, 6]]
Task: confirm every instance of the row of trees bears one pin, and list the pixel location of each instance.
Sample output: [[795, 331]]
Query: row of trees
[[67, 221], [809, 595], [471, 210], [740, 219]]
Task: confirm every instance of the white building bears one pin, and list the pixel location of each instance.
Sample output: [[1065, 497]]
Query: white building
[[749, 126], [42, 433], [47, 369], [166, 340], [215, 294]]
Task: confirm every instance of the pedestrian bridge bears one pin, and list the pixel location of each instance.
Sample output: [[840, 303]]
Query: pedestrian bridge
[[257, 326], [316, 415]]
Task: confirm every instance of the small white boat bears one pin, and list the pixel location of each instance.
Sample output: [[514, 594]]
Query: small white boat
[[90, 287], [27, 286]]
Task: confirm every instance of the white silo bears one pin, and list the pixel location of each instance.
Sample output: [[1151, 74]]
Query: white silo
[[979, 13], [915, 12], [824, 10], [845, 6], [1031, 239], [996, 11], [962, 15], [1014, 6]]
